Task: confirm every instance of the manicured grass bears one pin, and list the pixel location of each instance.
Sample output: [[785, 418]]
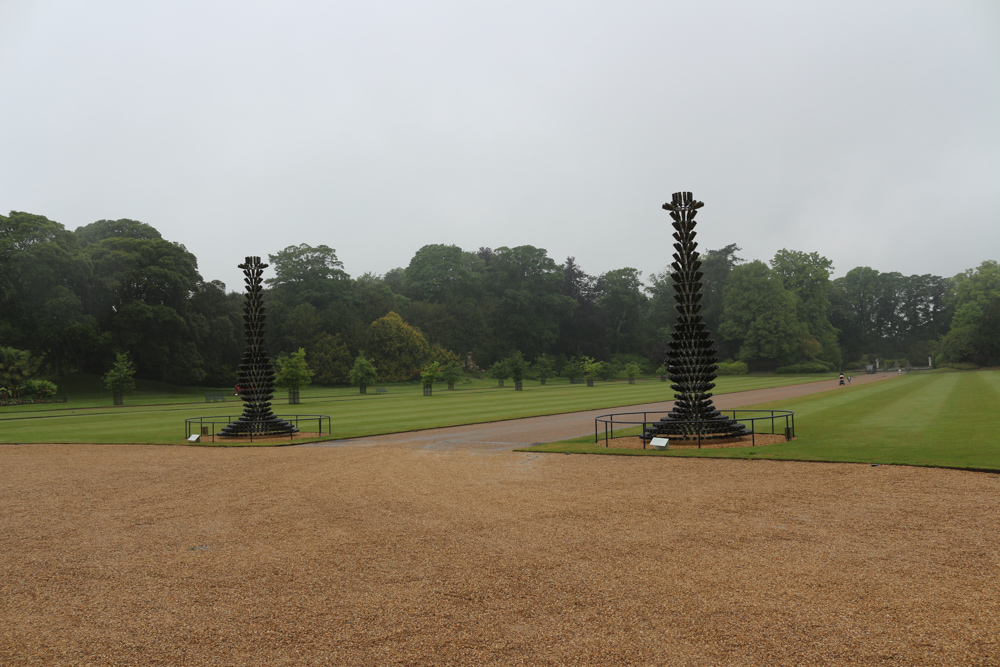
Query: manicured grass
[[404, 408], [944, 420], [87, 391]]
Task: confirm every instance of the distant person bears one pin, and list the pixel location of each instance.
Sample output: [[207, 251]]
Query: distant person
[[841, 378], [848, 379]]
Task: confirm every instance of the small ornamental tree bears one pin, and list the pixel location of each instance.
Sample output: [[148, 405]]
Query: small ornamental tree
[[631, 370], [429, 375], [121, 378], [499, 371], [574, 368], [517, 366], [293, 373], [451, 373], [363, 373], [591, 369], [662, 372], [544, 368]]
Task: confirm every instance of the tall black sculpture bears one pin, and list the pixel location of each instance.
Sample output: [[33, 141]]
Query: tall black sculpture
[[691, 358], [256, 375]]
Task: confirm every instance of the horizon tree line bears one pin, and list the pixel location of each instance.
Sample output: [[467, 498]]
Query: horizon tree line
[[77, 298]]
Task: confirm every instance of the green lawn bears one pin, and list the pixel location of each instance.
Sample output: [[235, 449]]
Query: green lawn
[[156, 414], [933, 419], [87, 391]]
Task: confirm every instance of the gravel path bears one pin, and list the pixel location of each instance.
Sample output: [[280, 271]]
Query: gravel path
[[503, 435], [402, 554]]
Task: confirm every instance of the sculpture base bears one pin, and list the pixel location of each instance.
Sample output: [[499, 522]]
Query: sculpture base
[[711, 427], [245, 427]]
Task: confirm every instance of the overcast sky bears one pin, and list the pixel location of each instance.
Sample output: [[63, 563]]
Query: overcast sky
[[868, 131]]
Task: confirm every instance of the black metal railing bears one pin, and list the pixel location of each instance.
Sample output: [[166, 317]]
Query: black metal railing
[[619, 420], [206, 426]]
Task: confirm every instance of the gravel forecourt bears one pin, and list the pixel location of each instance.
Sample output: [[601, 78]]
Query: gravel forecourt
[[431, 551]]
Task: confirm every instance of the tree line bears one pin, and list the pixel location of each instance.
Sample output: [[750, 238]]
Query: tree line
[[75, 299]]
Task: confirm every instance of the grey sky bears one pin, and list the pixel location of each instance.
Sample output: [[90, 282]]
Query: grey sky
[[867, 131]]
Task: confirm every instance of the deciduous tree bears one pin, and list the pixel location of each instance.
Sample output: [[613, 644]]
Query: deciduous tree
[[759, 316], [364, 373], [120, 378], [807, 276], [331, 359], [525, 287], [399, 350], [292, 373], [620, 296]]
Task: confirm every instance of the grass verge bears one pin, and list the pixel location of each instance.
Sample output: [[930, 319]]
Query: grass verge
[[944, 420], [403, 408]]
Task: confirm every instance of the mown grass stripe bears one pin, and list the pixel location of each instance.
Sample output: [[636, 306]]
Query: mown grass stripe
[[944, 420], [353, 415]]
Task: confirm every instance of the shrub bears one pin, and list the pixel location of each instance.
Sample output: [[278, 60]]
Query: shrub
[[516, 366], [543, 368], [732, 368], [573, 369], [38, 389], [959, 365], [430, 374], [363, 373], [292, 372], [596, 369], [499, 371], [121, 377], [807, 367], [621, 362], [451, 373]]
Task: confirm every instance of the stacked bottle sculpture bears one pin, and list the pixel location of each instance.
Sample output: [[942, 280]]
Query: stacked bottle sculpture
[[255, 382], [691, 357]]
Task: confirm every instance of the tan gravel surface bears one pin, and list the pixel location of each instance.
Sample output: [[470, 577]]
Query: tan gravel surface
[[757, 440], [399, 553]]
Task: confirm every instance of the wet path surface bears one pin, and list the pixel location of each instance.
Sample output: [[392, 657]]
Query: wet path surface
[[511, 433]]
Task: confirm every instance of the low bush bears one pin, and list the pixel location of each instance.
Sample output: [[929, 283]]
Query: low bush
[[807, 367], [38, 389], [621, 361], [732, 368], [959, 365]]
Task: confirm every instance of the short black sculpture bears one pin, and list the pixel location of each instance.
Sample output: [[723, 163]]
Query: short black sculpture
[[255, 382], [691, 359]]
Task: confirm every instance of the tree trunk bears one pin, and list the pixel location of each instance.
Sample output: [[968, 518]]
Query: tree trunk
[[631, 380], [428, 390], [517, 385], [293, 397], [590, 382], [119, 398], [451, 385], [364, 389], [500, 382], [542, 381]]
